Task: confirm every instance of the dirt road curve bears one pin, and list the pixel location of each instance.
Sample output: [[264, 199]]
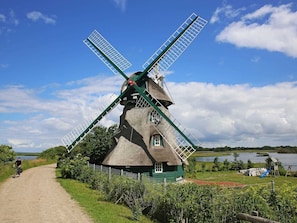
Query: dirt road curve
[[36, 197]]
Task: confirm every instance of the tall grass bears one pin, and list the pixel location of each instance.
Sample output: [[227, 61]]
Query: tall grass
[[6, 171]]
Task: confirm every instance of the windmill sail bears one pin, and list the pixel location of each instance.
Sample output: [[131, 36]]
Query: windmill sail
[[77, 134], [175, 45], [115, 61]]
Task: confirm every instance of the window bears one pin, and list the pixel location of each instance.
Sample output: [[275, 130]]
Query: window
[[157, 140], [154, 117], [158, 167]]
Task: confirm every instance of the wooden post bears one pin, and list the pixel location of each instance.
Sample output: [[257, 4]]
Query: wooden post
[[272, 185], [165, 184], [109, 173], [254, 219], [94, 166]]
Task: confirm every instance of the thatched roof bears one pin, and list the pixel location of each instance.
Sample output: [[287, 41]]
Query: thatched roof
[[134, 142], [126, 153]]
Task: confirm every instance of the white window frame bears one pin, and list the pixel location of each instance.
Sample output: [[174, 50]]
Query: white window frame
[[154, 117], [157, 140], [158, 167]]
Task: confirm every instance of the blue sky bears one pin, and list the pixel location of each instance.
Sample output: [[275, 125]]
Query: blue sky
[[235, 85]]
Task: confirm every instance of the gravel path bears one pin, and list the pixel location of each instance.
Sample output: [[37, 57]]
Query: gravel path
[[36, 197]]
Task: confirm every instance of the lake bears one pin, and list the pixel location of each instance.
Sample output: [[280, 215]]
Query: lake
[[285, 159], [27, 157]]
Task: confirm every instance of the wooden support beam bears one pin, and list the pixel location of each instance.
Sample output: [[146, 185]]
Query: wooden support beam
[[254, 219]]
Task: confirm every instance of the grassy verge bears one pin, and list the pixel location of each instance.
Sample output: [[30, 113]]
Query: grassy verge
[[7, 170], [96, 208]]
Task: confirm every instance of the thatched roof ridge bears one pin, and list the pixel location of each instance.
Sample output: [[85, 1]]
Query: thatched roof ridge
[[126, 153], [158, 92]]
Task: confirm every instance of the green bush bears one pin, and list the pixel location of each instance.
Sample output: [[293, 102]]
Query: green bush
[[6, 154], [53, 153], [73, 167]]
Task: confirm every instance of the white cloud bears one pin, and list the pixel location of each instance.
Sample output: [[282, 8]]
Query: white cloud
[[256, 59], [233, 115], [2, 18], [227, 11], [270, 28], [21, 143], [237, 115], [121, 4], [36, 16], [12, 18], [42, 121], [7, 20]]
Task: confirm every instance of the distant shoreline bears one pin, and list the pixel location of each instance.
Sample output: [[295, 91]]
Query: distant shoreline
[[27, 154]]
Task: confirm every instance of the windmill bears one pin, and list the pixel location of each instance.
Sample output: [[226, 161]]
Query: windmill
[[149, 140]]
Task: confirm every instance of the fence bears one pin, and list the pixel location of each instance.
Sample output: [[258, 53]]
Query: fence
[[119, 172]]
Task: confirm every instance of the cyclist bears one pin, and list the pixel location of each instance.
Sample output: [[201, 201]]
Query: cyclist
[[18, 166]]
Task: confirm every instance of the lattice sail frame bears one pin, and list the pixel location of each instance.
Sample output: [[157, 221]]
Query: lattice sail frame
[[179, 46], [71, 139], [181, 146], [108, 50]]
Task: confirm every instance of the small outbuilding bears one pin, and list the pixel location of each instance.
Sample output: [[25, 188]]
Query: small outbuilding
[[253, 171]]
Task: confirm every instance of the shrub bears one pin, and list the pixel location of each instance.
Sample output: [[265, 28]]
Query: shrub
[[53, 153], [6, 154], [73, 167]]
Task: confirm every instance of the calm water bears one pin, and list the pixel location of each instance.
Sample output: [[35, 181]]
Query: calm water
[[27, 157], [285, 159]]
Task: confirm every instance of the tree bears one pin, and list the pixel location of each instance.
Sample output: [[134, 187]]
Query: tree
[[191, 168], [97, 143], [216, 164], [226, 164], [250, 164], [6, 153], [235, 156], [53, 153]]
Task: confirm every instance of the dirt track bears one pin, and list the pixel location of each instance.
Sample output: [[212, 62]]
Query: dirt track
[[36, 197]]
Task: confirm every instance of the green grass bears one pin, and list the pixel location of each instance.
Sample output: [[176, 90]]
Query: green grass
[[7, 170], [100, 211], [233, 176]]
